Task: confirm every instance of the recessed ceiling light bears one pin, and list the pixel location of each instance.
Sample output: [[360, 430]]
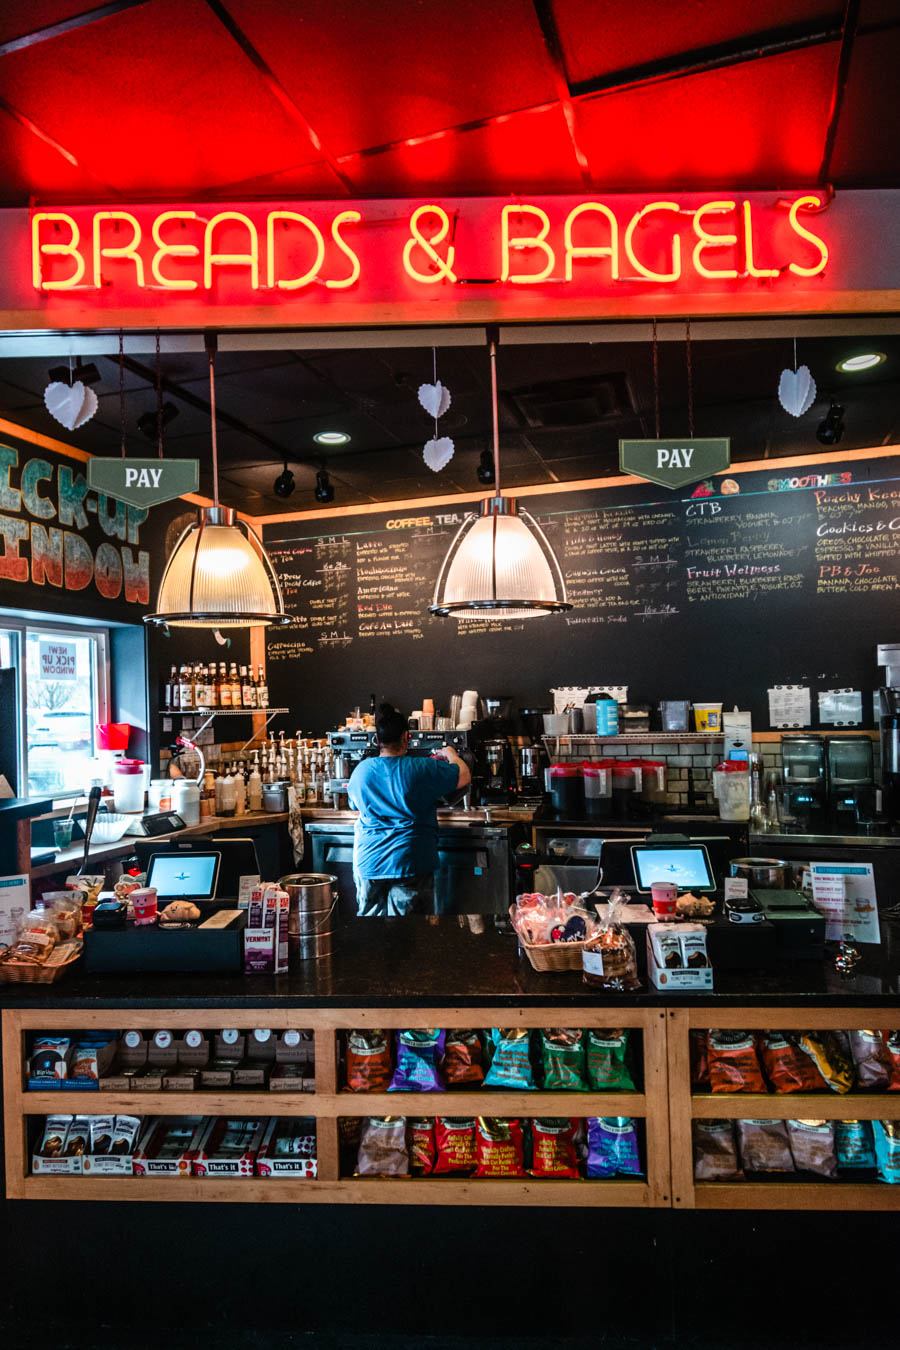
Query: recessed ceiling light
[[865, 361], [331, 438]]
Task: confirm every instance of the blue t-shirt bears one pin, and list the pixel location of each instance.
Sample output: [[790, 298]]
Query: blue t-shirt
[[396, 797]]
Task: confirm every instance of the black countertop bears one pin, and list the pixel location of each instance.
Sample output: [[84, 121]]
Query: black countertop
[[426, 963]]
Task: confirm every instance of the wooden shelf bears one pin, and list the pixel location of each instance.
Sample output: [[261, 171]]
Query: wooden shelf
[[686, 1106], [328, 1104], [349, 1190]]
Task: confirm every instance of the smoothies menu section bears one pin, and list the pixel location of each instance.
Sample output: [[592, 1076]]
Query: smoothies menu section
[[716, 594]]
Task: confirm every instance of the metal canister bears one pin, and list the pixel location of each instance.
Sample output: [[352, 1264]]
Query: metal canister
[[312, 914], [766, 873]]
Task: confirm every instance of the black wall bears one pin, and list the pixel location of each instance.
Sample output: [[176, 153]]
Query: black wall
[[775, 580]]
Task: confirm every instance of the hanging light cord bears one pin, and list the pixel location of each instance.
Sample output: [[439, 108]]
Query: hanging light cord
[[159, 401], [496, 417], [690, 377], [211, 349], [122, 388], [655, 379]]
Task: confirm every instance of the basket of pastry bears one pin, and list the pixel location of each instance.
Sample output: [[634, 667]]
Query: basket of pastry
[[38, 956], [552, 929]]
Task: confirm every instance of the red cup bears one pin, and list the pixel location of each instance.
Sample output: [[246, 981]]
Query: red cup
[[665, 895]]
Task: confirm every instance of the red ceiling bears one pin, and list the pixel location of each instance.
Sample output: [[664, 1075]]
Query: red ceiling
[[185, 98]]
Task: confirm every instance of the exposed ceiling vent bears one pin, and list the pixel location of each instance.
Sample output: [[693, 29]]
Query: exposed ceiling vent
[[578, 402]]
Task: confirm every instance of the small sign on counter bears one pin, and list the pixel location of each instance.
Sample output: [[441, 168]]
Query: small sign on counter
[[845, 894]]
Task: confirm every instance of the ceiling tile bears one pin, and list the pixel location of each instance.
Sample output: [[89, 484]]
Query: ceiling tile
[[372, 74]]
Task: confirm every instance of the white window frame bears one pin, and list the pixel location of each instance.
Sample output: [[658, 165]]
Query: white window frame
[[50, 625]]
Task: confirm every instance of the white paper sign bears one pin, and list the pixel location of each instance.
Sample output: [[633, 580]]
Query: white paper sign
[[840, 707], [845, 894], [15, 902], [246, 886], [58, 660], [789, 705], [736, 888]]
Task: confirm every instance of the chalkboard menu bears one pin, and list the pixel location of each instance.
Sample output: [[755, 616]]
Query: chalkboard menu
[[762, 578]]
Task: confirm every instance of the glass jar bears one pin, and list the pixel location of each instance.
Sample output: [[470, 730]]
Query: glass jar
[[731, 786]]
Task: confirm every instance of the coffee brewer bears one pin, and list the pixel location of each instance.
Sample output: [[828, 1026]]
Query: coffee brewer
[[804, 766], [851, 781], [888, 712]]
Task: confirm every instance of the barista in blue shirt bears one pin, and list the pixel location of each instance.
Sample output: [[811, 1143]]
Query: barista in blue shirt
[[395, 852]]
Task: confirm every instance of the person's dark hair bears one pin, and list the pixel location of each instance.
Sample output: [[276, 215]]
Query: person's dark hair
[[389, 725]]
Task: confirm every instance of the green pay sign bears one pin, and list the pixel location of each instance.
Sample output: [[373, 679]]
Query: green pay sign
[[674, 463], [143, 482]]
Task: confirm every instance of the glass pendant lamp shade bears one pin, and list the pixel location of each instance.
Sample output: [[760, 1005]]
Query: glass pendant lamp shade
[[500, 561], [219, 576], [500, 565]]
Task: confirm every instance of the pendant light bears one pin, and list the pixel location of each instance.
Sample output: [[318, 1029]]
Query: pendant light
[[500, 565], [219, 574]]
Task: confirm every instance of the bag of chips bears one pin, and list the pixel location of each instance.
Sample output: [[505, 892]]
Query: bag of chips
[[892, 1045], [382, 1148], [871, 1059], [827, 1051], [613, 1147], [463, 1059], [854, 1145], [455, 1144], [699, 1061], [511, 1060], [733, 1062], [715, 1151], [607, 1061], [887, 1149], [420, 1145], [764, 1146], [812, 1146], [562, 1052], [554, 1148], [368, 1061], [419, 1055], [787, 1068], [500, 1147]]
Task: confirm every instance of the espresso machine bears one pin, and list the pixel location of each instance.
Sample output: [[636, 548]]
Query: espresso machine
[[888, 712]]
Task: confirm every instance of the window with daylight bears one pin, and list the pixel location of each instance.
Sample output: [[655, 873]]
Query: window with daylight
[[63, 685]]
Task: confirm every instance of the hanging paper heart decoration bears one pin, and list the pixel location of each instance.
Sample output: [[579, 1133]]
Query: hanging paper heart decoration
[[438, 452], [434, 398], [71, 405], [796, 391]]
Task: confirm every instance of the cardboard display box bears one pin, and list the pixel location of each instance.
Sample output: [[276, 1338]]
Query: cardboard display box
[[169, 1146], [228, 1147], [288, 1148]]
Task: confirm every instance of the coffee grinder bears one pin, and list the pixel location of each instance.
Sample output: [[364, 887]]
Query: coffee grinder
[[495, 767], [888, 712]]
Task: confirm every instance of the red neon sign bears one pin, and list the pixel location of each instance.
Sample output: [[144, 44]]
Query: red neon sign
[[441, 259]]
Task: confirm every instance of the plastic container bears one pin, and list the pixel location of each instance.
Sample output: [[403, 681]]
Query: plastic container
[[128, 786], [731, 786], [186, 800], [159, 795], [708, 716], [567, 789], [653, 779], [625, 781], [607, 717], [598, 787]]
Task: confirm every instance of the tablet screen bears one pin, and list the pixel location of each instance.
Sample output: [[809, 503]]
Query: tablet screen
[[687, 867], [184, 874]]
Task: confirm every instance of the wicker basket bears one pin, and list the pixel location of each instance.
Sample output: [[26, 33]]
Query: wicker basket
[[550, 955], [10, 974]]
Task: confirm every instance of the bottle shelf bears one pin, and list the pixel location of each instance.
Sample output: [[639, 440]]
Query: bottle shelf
[[220, 712]]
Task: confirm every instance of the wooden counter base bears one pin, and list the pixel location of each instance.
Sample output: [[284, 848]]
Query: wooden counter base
[[666, 1105]]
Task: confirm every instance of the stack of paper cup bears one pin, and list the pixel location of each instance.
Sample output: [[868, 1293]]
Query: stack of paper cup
[[468, 712]]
